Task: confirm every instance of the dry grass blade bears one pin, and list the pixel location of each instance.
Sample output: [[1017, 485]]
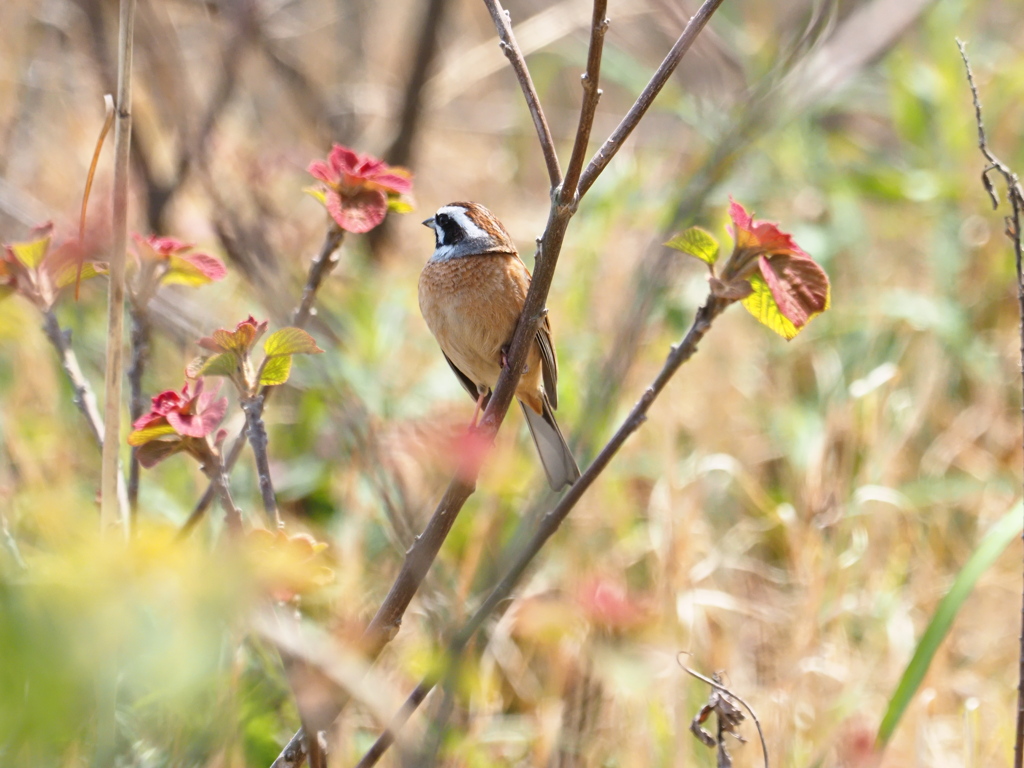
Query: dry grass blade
[[111, 512]]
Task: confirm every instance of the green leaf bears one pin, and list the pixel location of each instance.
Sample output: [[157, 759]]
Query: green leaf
[[761, 304], [32, 253], [399, 205], [698, 243], [148, 434], [193, 269], [276, 371], [996, 540], [69, 273], [290, 341], [223, 364]]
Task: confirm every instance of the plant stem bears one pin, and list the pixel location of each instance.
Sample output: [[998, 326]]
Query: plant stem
[[1013, 230], [321, 266], [510, 48], [218, 476], [257, 433], [84, 398], [109, 508], [591, 95]]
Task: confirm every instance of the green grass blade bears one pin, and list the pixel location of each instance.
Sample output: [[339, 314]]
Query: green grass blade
[[995, 541]]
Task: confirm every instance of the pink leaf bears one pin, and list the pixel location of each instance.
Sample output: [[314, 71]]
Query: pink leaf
[[360, 212]]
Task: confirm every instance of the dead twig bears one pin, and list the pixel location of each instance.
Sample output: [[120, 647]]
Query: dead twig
[[728, 715], [1016, 198]]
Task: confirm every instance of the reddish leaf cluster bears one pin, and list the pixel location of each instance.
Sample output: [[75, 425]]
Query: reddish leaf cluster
[[776, 280], [179, 421], [169, 261], [38, 272], [797, 283], [232, 352], [358, 187]]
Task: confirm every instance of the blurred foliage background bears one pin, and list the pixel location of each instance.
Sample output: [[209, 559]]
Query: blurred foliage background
[[792, 512]]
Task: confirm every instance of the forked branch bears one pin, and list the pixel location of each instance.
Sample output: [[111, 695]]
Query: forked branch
[[421, 555]]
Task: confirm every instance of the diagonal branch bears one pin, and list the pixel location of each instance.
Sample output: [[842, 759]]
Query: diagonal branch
[[550, 523], [510, 48], [643, 102]]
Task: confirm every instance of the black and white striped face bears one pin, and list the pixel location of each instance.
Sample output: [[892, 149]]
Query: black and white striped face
[[467, 229]]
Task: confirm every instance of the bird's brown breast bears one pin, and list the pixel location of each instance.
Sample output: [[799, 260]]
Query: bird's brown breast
[[471, 304]]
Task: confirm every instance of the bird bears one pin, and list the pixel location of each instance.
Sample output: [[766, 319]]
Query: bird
[[471, 293]]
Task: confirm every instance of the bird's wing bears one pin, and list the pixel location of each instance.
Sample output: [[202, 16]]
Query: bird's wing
[[465, 381], [548, 361]]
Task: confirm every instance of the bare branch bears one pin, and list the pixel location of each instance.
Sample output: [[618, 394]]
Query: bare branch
[[646, 98], [1013, 223], [511, 49], [591, 95], [257, 433], [550, 523]]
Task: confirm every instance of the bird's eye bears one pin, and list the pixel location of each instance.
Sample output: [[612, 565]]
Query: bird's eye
[[442, 218]]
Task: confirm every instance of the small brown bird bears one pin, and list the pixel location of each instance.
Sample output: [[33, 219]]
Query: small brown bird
[[471, 292]]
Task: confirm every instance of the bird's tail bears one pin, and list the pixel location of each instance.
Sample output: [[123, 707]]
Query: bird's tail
[[559, 465]]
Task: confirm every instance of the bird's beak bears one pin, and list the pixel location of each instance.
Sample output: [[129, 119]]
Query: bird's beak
[[429, 222]]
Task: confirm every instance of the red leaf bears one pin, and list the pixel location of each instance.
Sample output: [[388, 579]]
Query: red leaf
[[207, 414], [798, 285], [360, 212]]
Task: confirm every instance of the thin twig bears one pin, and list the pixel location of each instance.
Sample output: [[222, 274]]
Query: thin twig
[[553, 519], [84, 397], [322, 264], [649, 93], [218, 476], [591, 95], [727, 692], [257, 433], [510, 48], [1013, 231], [109, 511]]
